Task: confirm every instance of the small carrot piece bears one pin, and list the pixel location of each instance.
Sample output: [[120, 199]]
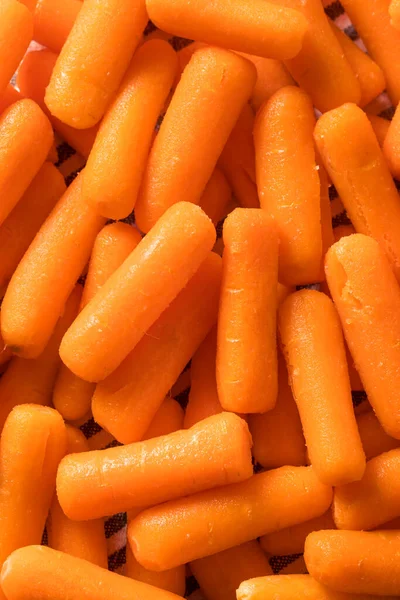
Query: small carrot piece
[[381, 128], [216, 197], [212, 91], [168, 418], [16, 29], [246, 349], [374, 439], [53, 21], [394, 12], [126, 131], [8, 97], [86, 74], [286, 168]]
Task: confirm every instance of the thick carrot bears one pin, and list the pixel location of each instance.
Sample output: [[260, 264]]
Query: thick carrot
[[60, 250], [168, 418], [321, 387], [115, 320], [367, 297], [126, 132], [247, 377], [156, 470], [16, 29], [171, 580], [216, 196], [27, 137], [23, 222], [357, 168], [272, 75], [373, 437], [380, 127], [255, 27], [221, 574], [226, 517], [394, 12], [8, 97], [355, 562], [53, 21], [278, 438], [212, 91], [87, 74], [286, 168]]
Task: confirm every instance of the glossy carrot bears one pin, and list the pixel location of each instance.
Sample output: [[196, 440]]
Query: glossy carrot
[[374, 439], [394, 12], [8, 97], [171, 580], [272, 75], [380, 127], [16, 28], [86, 74], [212, 91], [168, 418], [53, 21], [286, 168], [216, 196]]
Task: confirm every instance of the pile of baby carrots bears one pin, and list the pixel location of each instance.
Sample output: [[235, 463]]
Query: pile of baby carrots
[[117, 294]]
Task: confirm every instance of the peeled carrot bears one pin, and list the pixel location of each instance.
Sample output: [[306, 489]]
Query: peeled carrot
[[53, 21], [283, 292], [221, 574], [226, 517], [286, 168], [373, 436], [355, 562], [394, 12], [42, 573], [255, 27], [391, 145], [380, 127], [272, 75], [5, 352], [171, 580], [327, 236], [156, 470], [246, 349], [168, 418], [278, 438], [126, 132], [342, 231], [208, 99], [16, 28], [61, 248], [8, 97], [87, 74], [216, 196], [321, 386]]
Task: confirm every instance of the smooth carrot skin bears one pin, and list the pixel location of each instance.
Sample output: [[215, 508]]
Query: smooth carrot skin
[[278, 438], [381, 128], [374, 439], [86, 74], [61, 249], [221, 574], [391, 145], [226, 517], [307, 320], [216, 196], [126, 132], [246, 349], [16, 29], [286, 168], [168, 418], [272, 75], [394, 12], [212, 91], [53, 21], [156, 470], [171, 580], [8, 97]]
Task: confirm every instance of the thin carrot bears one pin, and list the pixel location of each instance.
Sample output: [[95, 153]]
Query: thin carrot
[[216, 196], [374, 439], [394, 12], [168, 418], [380, 127], [16, 29], [226, 517], [53, 21], [212, 91], [286, 168], [8, 97]]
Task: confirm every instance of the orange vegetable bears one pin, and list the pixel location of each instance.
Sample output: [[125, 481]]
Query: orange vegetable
[[16, 28], [380, 127], [343, 231], [326, 215], [168, 418], [53, 21], [216, 197], [373, 436], [8, 97], [394, 12], [391, 145], [171, 580], [5, 352]]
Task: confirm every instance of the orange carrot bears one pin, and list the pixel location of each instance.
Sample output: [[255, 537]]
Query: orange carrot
[[283, 292], [5, 352], [212, 91], [8, 97], [126, 132], [380, 127], [168, 418], [373, 437], [343, 231], [226, 517], [327, 236], [53, 21], [16, 28], [286, 168], [391, 145], [216, 197], [171, 580], [394, 12]]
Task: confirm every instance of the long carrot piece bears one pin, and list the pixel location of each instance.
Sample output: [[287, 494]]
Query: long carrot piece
[[53, 21], [246, 366], [16, 29], [216, 197], [212, 91]]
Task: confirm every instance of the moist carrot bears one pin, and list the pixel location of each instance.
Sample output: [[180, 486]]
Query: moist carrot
[[367, 298], [246, 349], [355, 562], [286, 168], [253, 27], [307, 319], [171, 580], [167, 419], [156, 470], [226, 517], [60, 250], [212, 91], [115, 320], [42, 573], [87, 74], [126, 132], [272, 75], [380, 127], [32, 381], [373, 437], [216, 196], [27, 137], [221, 574], [16, 28], [278, 438], [53, 21], [23, 222], [394, 12], [391, 145], [8, 97], [237, 160], [5, 352], [32, 79]]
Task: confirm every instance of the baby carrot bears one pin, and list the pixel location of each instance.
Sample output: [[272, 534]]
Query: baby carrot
[[42, 573], [278, 438], [168, 418], [381, 128], [367, 297], [53, 21], [342, 231], [8, 97], [307, 320], [87, 74], [246, 349], [27, 137], [171, 580], [216, 196], [391, 145], [212, 91], [226, 517], [221, 574], [355, 562], [115, 320], [373, 437], [5, 352], [145, 473], [126, 131], [16, 29], [394, 12], [272, 75], [256, 27], [286, 168], [357, 168], [33, 303]]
